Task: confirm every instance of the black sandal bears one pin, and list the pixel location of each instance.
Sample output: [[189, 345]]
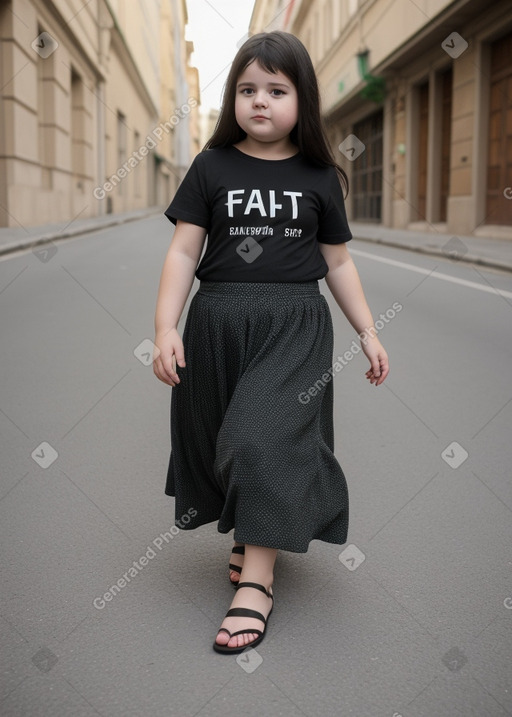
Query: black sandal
[[245, 612], [240, 550]]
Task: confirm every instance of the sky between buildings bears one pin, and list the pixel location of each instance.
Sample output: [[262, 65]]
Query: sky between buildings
[[216, 27]]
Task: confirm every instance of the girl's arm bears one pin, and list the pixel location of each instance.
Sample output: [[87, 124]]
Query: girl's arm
[[175, 283], [345, 285]]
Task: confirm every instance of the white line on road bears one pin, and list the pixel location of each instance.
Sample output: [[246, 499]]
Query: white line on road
[[434, 274]]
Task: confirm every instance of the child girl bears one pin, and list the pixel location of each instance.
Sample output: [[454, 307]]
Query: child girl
[[252, 402]]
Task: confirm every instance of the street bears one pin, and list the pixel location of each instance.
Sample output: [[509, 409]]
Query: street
[[411, 618]]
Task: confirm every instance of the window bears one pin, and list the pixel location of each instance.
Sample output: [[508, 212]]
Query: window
[[367, 170]]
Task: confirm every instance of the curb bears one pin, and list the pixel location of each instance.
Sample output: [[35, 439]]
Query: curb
[[433, 251], [21, 244]]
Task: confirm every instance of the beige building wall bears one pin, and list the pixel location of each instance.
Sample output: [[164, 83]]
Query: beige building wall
[[179, 102], [430, 135], [194, 127], [207, 123], [270, 15], [92, 119]]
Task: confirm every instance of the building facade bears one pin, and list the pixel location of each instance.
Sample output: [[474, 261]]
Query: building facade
[[417, 98], [95, 107]]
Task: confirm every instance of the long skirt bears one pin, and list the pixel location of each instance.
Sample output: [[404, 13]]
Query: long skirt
[[252, 438]]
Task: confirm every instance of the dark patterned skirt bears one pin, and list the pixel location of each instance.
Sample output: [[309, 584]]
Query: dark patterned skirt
[[252, 439]]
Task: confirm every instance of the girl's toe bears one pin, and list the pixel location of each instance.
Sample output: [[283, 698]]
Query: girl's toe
[[222, 638]]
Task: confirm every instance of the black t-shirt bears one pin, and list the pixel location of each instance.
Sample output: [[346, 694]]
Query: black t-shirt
[[264, 217]]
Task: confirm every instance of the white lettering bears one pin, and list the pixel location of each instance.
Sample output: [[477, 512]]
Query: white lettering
[[255, 202], [231, 200], [273, 205], [294, 196]]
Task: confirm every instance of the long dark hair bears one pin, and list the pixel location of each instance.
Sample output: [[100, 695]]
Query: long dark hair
[[280, 51]]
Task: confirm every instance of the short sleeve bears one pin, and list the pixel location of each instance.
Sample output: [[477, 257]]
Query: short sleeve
[[333, 225], [190, 203]]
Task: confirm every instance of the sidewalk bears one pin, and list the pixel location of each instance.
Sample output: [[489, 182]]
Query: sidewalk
[[16, 238], [485, 251], [495, 253]]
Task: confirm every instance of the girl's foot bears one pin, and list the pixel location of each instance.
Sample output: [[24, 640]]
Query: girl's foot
[[253, 599], [237, 560]]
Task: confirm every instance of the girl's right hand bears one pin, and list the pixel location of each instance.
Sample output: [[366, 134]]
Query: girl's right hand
[[170, 349]]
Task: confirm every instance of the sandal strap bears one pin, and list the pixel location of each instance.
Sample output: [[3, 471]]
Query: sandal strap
[[236, 568], [246, 612], [240, 549], [223, 629], [240, 632], [257, 586]]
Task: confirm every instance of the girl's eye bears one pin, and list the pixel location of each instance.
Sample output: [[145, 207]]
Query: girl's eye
[[249, 91]]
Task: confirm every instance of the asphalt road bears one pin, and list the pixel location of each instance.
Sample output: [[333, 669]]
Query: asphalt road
[[412, 617]]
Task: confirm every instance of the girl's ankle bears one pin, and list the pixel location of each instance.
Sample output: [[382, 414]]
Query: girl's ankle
[[264, 579]]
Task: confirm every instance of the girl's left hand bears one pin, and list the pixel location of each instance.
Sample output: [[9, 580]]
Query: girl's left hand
[[378, 358]]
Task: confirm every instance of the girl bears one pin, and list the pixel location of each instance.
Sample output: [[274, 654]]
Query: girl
[[252, 406]]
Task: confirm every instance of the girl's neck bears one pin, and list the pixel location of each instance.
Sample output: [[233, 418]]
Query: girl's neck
[[283, 149]]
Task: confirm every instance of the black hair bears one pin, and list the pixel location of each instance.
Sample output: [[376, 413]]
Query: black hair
[[280, 51]]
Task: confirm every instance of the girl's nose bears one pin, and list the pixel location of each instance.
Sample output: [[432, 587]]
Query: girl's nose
[[260, 99]]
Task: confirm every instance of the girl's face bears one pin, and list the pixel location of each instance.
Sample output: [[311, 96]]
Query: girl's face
[[266, 104]]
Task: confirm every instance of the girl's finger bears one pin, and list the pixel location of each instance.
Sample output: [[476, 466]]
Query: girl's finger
[[163, 374], [170, 370], [376, 367], [384, 372]]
